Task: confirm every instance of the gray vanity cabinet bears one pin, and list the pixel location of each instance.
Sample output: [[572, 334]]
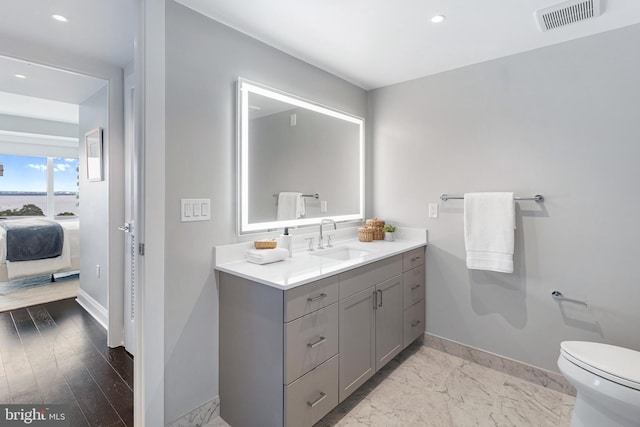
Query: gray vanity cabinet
[[413, 295], [388, 320], [370, 321], [357, 341], [287, 357]]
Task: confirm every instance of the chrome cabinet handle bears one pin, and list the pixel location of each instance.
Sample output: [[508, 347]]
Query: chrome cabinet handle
[[375, 300], [415, 258], [319, 297], [380, 303], [318, 400], [414, 287], [415, 323], [317, 343]]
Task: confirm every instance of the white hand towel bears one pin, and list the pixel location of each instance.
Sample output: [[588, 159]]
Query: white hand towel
[[266, 256], [489, 221], [290, 205]]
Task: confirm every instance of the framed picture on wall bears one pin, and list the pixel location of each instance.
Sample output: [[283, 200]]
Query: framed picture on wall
[[93, 143]]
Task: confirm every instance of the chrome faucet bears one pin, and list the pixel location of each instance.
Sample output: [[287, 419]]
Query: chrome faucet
[[327, 221]]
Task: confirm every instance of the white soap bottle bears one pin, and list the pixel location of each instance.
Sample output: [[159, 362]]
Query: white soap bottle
[[286, 241]]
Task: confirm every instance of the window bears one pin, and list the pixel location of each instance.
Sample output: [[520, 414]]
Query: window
[[65, 187], [36, 186]]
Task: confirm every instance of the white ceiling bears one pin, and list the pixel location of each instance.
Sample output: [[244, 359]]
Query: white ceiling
[[375, 43], [46, 82], [101, 30], [371, 43], [97, 29]]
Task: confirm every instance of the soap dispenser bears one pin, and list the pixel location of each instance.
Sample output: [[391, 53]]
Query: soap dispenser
[[286, 241]]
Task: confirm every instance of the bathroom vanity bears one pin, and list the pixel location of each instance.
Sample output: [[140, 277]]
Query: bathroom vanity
[[299, 336]]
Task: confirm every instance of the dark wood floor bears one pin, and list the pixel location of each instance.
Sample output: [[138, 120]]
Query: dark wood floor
[[57, 353]]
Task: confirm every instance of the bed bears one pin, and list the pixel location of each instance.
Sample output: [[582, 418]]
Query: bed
[[69, 260]]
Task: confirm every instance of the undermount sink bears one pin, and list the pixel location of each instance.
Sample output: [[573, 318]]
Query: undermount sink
[[342, 253]]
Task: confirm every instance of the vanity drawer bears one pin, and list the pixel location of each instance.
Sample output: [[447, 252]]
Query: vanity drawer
[[412, 259], [413, 325], [311, 397], [309, 341], [413, 286], [308, 298], [359, 279]]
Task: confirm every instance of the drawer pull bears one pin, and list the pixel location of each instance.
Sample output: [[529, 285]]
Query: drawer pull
[[415, 258], [415, 323], [414, 287], [317, 401], [380, 303], [319, 297], [317, 343]]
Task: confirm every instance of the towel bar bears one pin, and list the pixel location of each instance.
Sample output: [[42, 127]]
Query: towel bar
[[315, 195], [537, 197], [557, 295]]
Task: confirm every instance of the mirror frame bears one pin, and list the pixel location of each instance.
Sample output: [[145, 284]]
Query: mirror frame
[[246, 87]]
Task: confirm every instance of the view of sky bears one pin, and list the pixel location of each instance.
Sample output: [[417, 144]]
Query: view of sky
[[25, 173]]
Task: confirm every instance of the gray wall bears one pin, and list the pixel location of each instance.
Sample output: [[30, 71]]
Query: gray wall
[[203, 61], [561, 121], [318, 155], [94, 201]]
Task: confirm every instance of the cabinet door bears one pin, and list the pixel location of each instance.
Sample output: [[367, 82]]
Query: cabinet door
[[388, 315], [357, 335]]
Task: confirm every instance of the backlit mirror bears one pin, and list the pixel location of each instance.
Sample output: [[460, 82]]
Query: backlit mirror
[[298, 161]]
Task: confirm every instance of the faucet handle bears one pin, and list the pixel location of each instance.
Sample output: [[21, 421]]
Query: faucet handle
[[310, 248], [329, 245]]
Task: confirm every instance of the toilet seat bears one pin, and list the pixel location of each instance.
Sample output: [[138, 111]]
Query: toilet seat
[[617, 364]]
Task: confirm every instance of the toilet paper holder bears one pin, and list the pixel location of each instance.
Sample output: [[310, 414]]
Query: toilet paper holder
[[557, 295]]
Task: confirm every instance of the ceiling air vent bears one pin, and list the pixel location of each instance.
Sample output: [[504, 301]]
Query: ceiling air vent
[[567, 13]]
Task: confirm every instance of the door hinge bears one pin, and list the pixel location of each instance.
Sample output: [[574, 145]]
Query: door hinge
[[141, 249]]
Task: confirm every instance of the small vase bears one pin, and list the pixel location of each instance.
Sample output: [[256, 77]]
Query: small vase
[[389, 237]]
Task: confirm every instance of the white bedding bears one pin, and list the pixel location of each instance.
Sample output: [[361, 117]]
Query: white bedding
[[69, 260]]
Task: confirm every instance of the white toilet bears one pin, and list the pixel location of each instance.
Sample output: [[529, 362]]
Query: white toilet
[[607, 379]]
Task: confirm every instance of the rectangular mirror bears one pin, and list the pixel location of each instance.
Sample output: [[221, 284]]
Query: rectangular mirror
[[298, 161]]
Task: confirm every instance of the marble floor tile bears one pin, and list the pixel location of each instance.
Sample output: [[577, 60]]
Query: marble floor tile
[[424, 387], [426, 368], [394, 404], [217, 422], [522, 403], [567, 410], [470, 394]]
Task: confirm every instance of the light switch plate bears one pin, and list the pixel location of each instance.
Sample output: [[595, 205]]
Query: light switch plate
[[433, 210], [195, 210]]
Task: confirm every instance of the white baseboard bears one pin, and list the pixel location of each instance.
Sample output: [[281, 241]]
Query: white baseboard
[[94, 308]]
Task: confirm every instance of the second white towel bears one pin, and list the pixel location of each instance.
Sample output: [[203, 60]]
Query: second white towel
[[489, 221]]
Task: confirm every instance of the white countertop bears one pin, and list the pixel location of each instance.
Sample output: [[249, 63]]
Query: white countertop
[[304, 267]]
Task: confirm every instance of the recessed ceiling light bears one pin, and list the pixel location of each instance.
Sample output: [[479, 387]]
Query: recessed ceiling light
[[59, 18], [437, 19], [20, 76]]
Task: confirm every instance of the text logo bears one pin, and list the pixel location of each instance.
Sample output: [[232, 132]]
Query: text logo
[[34, 415]]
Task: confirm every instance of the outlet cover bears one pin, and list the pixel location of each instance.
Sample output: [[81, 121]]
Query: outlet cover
[[433, 210]]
